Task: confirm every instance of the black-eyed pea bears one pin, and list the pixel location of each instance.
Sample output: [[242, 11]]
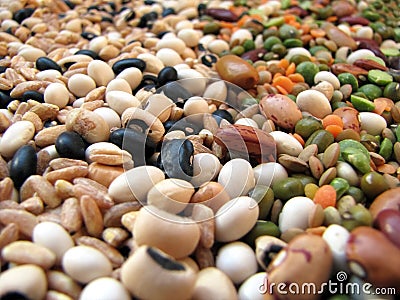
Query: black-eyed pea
[[306, 259], [177, 236], [33, 286], [151, 273]]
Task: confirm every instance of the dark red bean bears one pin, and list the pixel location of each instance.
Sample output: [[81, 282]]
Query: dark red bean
[[373, 46], [354, 20], [222, 14], [388, 222], [254, 55]]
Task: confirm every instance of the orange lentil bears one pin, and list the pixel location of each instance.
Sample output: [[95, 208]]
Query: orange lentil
[[296, 77], [331, 19], [277, 75], [380, 107], [283, 82], [332, 120], [281, 89], [305, 28], [295, 24], [243, 20], [261, 68], [306, 38], [290, 69], [316, 33], [283, 63], [224, 24], [386, 103], [325, 196], [334, 129], [289, 18], [299, 138]]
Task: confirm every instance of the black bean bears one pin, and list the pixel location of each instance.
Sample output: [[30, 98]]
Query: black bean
[[93, 7], [220, 114], [2, 69], [175, 92], [5, 99], [149, 79], [106, 19], [123, 64], [32, 95], [147, 19], [168, 11], [168, 125], [88, 52], [44, 63], [14, 296], [88, 35], [176, 158], [112, 5], [134, 142], [162, 33], [23, 165], [187, 127], [69, 4], [23, 14], [166, 75], [137, 125], [50, 123], [70, 144], [201, 9], [149, 2]]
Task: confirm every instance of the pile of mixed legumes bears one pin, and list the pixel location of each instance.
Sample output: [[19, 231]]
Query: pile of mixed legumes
[[238, 148]]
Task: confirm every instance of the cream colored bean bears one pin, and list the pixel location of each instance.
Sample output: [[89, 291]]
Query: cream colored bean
[[110, 116], [101, 72], [85, 264], [173, 43], [160, 106], [17, 135], [119, 84], [132, 75], [80, 84], [189, 36], [169, 57], [153, 63], [120, 101], [57, 94], [217, 46]]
